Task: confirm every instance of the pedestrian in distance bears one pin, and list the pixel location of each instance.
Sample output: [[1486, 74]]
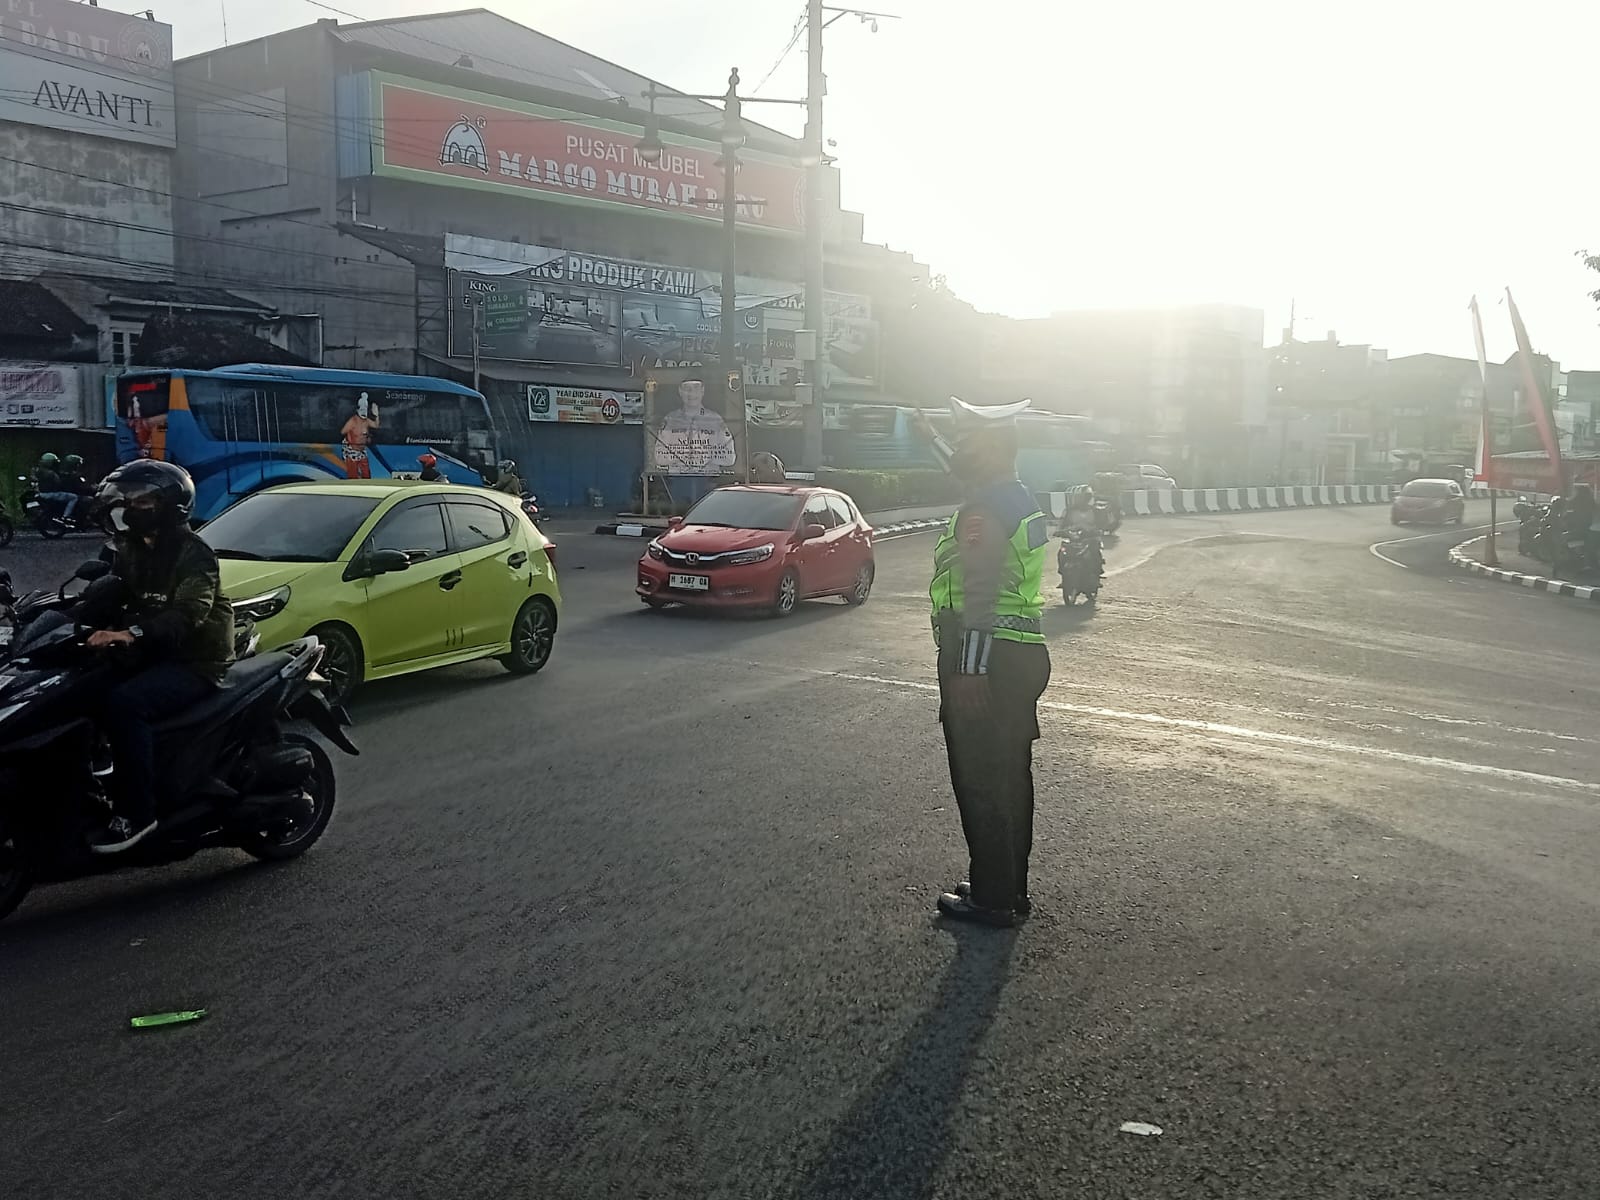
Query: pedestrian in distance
[[988, 602]]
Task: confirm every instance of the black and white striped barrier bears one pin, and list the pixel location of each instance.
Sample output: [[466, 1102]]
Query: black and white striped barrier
[[1539, 583], [630, 529], [1245, 499], [897, 529]]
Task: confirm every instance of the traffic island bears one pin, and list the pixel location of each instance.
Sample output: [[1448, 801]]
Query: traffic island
[[1469, 556]]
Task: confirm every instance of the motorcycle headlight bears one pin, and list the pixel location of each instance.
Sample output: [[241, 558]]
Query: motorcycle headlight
[[655, 550], [259, 608], [754, 555]]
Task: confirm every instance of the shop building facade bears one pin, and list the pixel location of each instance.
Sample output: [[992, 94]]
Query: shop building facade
[[459, 195]]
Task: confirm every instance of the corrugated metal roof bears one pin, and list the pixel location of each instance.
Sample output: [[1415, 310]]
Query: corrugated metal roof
[[417, 248], [500, 49], [164, 294]]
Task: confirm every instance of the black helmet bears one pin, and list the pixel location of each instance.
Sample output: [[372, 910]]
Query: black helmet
[[169, 484]]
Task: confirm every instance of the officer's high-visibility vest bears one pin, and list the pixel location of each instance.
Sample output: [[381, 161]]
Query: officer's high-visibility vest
[[1019, 604]]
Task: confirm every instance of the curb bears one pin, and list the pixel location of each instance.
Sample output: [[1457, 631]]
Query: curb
[[1459, 557]]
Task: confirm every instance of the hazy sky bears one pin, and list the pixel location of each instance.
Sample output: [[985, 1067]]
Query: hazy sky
[[1378, 161]]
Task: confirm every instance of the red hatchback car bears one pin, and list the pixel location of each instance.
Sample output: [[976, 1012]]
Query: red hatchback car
[[1434, 501], [761, 547]]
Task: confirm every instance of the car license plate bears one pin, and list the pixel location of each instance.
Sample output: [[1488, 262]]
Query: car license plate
[[689, 583]]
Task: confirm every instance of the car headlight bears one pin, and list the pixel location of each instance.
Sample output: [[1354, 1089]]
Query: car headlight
[[259, 608], [753, 555], [655, 549]]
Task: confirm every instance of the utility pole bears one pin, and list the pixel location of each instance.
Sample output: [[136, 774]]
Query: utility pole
[[728, 326], [477, 343], [816, 318], [813, 149]]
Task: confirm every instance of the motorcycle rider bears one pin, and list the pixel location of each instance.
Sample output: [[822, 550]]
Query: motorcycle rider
[[1080, 519], [508, 481], [73, 478], [767, 467], [175, 617], [1080, 510], [430, 469], [51, 488]]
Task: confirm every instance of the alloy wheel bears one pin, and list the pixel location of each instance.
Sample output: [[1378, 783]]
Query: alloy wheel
[[534, 636]]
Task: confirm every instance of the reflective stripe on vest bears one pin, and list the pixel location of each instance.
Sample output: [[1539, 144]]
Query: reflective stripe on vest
[[1019, 604]]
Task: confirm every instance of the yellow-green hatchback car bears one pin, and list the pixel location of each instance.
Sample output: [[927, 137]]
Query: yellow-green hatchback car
[[393, 576]]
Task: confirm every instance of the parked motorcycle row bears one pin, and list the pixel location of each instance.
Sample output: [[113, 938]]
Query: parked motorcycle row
[[1545, 533], [247, 767]]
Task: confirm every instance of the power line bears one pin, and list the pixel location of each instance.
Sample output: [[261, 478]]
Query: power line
[[794, 39], [319, 226], [30, 253], [175, 235]]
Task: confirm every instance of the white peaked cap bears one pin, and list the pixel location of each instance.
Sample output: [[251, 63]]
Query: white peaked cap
[[980, 416]]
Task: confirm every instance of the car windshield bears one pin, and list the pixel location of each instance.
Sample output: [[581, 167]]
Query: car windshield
[[1434, 489], [736, 509], [287, 526]]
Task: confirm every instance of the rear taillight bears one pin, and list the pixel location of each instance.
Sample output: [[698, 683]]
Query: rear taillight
[[550, 552]]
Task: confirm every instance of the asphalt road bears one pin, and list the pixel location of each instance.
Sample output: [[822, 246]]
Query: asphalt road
[[1315, 893]]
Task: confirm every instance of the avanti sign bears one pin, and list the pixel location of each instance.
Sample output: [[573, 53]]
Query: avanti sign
[[58, 94], [438, 134]]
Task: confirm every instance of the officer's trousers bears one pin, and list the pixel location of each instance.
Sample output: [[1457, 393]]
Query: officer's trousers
[[991, 768]]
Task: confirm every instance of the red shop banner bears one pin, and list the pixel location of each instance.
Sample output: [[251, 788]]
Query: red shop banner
[[462, 137]]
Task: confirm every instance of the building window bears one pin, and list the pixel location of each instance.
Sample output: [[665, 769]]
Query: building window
[[124, 347]]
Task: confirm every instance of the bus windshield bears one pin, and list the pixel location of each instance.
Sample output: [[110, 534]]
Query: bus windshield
[[239, 429]]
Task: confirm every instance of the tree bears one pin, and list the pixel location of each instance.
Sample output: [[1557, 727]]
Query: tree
[[1592, 261]]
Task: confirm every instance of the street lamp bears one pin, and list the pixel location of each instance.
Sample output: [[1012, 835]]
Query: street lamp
[[649, 147]]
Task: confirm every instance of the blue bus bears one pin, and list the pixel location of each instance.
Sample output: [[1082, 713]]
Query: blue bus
[[1056, 451], [239, 429]]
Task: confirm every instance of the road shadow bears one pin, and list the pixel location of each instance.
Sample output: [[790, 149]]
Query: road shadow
[[136, 897], [891, 1142], [382, 697], [1061, 621]]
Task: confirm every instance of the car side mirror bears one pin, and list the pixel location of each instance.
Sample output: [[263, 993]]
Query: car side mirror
[[811, 532], [674, 522], [95, 568], [371, 563], [384, 562]]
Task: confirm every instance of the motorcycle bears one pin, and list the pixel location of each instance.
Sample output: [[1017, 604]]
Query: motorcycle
[[1081, 566], [1529, 517], [46, 515], [1107, 515], [240, 768], [530, 509], [8, 602]]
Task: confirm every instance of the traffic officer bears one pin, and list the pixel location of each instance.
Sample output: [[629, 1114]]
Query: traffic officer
[[993, 664]]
